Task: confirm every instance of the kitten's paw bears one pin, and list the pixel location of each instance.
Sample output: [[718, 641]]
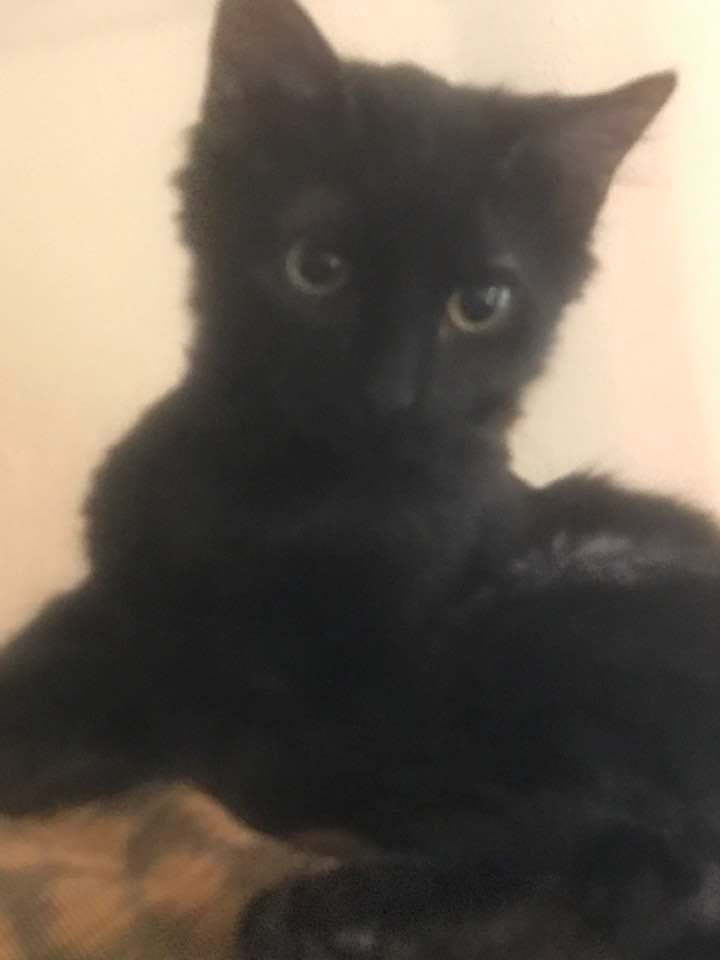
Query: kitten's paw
[[369, 912], [380, 913], [629, 875]]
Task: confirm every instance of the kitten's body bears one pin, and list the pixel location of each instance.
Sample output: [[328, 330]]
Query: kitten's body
[[316, 586]]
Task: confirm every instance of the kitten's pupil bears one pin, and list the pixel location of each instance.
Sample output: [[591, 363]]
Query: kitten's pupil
[[479, 308], [481, 303], [322, 267], [317, 269]]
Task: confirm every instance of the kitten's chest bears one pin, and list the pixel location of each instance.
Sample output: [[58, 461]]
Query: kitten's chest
[[350, 549], [354, 567]]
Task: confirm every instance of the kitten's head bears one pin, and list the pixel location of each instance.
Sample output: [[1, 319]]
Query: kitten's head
[[377, 246]]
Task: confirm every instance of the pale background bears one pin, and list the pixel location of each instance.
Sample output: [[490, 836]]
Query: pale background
[[94, 95]]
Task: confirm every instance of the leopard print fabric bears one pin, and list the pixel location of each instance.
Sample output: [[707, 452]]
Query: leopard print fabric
[[161, 875]]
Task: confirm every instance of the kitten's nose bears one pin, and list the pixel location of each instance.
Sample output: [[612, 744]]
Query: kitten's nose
[[395, 378]]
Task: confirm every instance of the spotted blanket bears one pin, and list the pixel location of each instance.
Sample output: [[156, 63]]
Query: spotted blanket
[[160, 875]]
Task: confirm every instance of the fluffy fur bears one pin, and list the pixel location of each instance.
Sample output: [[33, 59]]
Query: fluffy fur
[[318, 590]]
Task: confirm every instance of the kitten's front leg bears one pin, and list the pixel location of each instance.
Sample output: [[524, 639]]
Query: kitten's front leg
[[70, 729], [623, 897]]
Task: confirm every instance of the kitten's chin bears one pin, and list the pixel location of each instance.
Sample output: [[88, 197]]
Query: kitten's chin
[[412, 434]]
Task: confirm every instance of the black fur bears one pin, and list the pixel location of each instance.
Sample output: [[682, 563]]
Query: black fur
[[318, 590]]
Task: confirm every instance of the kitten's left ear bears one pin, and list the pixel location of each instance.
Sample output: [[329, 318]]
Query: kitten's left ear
[[582, 141], [269, 68]]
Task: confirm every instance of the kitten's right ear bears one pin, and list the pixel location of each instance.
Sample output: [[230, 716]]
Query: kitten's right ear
[[270, 69]]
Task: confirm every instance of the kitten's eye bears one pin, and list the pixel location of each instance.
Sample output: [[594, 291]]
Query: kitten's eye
[[480, 309], [317, 270]]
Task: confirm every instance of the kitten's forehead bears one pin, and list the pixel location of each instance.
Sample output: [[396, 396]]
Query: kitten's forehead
[[317, 204], [398, 106], [413, 163], [414, 133]]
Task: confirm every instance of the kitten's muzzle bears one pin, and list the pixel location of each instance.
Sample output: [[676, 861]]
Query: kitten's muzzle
[[396, 381], [388, 397]]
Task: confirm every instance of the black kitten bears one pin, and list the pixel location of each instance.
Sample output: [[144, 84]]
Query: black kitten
[[316, 587]]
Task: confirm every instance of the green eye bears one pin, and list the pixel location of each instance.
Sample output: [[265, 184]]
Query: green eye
[[480, 309], [317, 270]]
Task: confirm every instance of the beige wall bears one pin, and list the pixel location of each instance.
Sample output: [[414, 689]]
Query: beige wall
[[93, 100]]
